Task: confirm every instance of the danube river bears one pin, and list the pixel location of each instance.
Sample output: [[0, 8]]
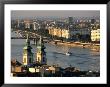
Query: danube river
[[82, 58]]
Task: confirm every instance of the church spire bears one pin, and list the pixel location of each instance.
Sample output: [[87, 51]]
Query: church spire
[[27, 53], [41, 54]]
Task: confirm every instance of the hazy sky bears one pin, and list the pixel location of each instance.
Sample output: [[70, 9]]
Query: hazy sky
[[55, 13]]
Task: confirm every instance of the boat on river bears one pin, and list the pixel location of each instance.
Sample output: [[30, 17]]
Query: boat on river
[[68, 54]]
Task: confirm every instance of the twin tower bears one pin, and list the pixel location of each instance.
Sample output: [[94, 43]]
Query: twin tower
[[28, 55]]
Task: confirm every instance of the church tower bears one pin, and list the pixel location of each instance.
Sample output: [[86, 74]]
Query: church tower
[[41, 54], [27, 53]]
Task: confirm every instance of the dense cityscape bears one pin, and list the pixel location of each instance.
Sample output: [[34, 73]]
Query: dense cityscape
[[83, 33]]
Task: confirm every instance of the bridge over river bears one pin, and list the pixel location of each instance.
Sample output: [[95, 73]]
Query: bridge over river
[[22, 34]]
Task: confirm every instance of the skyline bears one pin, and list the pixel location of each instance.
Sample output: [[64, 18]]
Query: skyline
[[19, 14]]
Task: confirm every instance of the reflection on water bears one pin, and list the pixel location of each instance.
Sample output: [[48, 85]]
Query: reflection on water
[[80, 58]]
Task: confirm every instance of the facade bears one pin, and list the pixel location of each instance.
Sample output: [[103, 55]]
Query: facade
[[27, 54], [59, 32], [68, 33], [65, 33], [95, 35], [41, 54]]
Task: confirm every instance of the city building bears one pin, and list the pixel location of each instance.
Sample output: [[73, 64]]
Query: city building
[[65, 33], [69, 33], [95, 35], [27, 53], [59, 32]]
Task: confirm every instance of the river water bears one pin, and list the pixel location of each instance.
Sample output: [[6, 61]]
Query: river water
[[81, 58]]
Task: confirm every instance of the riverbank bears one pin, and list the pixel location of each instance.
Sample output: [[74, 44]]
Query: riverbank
[[93, 47]]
